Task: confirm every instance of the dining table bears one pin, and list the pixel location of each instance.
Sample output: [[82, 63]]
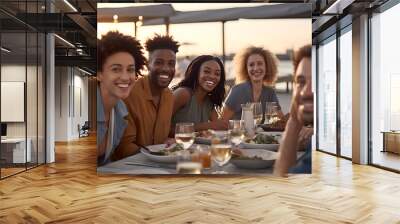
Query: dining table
[[139, 164]]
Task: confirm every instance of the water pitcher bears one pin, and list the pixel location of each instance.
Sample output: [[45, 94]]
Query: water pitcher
[[248, 118]]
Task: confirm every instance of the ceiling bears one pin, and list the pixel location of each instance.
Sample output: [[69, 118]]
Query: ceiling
[[76, 24], [330, 15]]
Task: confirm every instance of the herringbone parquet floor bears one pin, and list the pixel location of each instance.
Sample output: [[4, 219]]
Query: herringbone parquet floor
[[70, 191]]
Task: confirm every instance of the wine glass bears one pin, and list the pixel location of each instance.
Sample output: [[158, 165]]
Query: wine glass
[[184, 134], [257, 111], [271, 112], [221, 150], [236, 131]]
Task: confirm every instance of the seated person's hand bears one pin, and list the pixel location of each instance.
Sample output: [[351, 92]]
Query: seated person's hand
[[237, 151], [281, 123], [169, 142], [204, 134]]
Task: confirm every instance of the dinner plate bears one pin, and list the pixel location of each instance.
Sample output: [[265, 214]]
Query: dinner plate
[[268, 159], [158, 158], [202, 140], [277, 134], [266, 127], [274, 133], [270, 147]]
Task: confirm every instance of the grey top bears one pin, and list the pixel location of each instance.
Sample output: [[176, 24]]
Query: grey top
[[242, 93], [193, 111], [119, 121]]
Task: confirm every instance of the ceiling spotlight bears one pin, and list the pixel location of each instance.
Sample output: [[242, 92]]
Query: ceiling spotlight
[[84, 71], [5, 50], [115, 17], [140, 18], [70, 5], [338, 6], [65, 41]]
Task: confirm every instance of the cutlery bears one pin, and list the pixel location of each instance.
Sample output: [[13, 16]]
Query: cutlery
[[148, 150]]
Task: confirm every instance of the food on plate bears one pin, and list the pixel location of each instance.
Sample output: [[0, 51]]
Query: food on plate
[[204, 134], [171, 151], [263, 139], [241, 157], [276, 125]]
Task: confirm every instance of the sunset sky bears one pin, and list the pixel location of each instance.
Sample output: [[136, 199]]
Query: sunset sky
[[278, 35]]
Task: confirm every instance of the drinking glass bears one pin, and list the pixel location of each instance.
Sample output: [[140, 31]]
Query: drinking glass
[[248, 118], [257, 111], [236, 131], [186, 165], [271, 112], [202, 154], [184, 134], [221, 150]]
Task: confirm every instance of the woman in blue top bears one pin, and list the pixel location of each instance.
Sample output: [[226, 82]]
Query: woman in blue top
[[197, 95], [120, 59], [256, 71]]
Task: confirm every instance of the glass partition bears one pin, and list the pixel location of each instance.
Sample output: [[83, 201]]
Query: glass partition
[[327, 95], [22, 90], [346, 92], [385, 89], [13, 93], [41, 96], [31, 98]]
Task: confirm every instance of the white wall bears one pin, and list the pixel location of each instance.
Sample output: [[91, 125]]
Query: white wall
[[61, 103], [34, 124], [14, 73], [69, 85]]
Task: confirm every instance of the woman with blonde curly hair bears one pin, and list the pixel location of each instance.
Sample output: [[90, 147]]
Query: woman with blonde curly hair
[[256, 71]]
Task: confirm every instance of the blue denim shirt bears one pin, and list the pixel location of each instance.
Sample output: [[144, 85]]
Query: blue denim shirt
[[120, 113], [304, 162]]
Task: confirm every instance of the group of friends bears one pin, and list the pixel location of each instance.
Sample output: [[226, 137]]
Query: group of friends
[[135, 110]]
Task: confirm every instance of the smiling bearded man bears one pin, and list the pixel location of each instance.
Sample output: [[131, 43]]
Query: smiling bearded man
[[299, 128], [151, 101]]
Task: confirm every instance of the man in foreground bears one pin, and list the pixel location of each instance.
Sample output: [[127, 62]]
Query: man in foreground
[[299, 127]]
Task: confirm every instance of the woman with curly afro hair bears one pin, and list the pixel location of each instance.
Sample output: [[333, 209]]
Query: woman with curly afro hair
[[120, 59]]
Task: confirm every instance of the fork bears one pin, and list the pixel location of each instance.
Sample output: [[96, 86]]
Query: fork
[[148, 150]]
